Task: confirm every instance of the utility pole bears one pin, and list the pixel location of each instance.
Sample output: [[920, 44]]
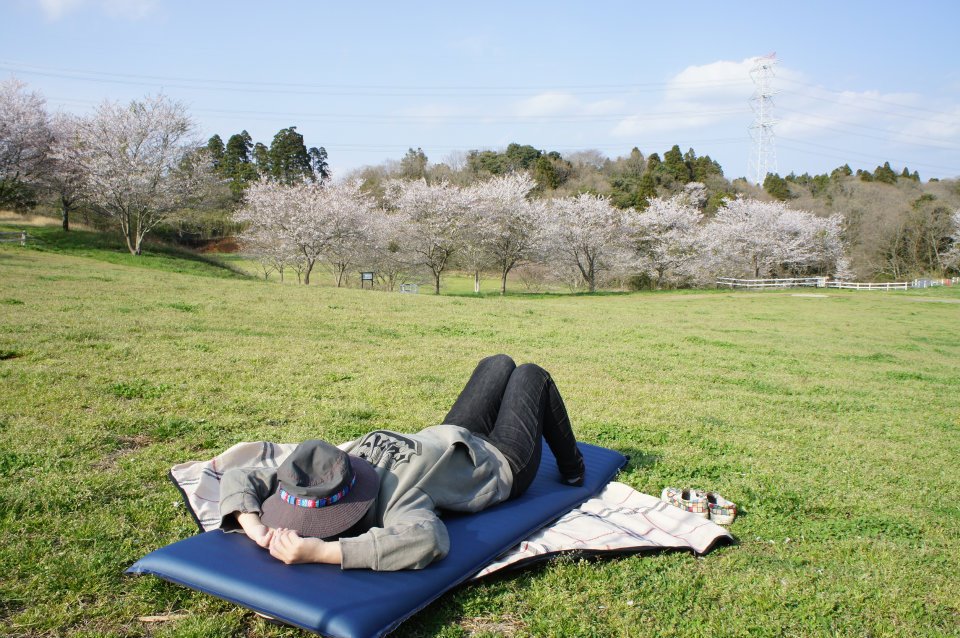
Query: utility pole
[[763, 155]]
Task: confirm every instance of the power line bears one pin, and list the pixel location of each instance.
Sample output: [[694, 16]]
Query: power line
[[860, 107], [936, 143], [872, 158], [870, 99], [477, 118], [305, 88]]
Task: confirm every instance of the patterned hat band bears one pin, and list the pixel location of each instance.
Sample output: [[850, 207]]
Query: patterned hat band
[[300, 501]]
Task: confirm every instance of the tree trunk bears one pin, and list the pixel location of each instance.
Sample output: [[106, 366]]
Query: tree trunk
[[65, 215], [306, 273], [503, 282], [476, 282], [436, 281]]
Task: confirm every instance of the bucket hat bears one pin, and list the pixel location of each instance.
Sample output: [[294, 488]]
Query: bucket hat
[[322, 492]]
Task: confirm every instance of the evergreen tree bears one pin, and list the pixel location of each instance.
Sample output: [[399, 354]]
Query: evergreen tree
[[546, 174], [841, 171], [521, 157], [704, 168], [648, 188], [318, 164], [654, 166], [215, 148], [414, 164], [885, 174], [776, 186], [289, 159], [674, 165], [237, 165], [261, 156]]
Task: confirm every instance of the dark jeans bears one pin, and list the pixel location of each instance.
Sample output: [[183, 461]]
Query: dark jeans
[[515, 408]]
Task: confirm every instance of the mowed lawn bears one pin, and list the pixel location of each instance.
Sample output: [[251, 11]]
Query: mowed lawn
[[832, 421]]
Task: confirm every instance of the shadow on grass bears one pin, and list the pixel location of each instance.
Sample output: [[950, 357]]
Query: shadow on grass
[[111, 248], [637, 459]]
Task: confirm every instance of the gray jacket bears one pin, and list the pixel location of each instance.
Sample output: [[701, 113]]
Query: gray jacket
[[441, 467]]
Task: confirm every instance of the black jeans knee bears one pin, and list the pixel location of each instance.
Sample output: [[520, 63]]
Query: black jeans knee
[[515, 408]]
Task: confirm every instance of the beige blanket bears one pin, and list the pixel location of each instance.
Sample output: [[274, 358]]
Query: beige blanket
[[618, 520]]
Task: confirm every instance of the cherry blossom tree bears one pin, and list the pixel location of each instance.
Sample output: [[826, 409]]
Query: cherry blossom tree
[[348, 213], [436, 213], [390, 254], [332, 224], [292, 216], [25, 140], [474, 253], [760, 239], [951, 259], [510, 226], [272, 250], [588, 233], [65, 177], [142, 163], [668, 240]]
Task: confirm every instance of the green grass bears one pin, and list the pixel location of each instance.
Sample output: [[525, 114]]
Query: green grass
[[833, 423], [111, 248]]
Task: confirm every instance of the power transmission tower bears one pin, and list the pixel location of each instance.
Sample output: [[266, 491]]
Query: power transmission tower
[[763, 155]]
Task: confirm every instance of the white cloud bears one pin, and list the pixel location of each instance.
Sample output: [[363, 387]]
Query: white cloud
[[123, 9], [696, 97], [55, 9], [557, 103], [546, 104]]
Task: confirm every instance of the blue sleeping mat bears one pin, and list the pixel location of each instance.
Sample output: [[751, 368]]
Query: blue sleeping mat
[[353, 603]]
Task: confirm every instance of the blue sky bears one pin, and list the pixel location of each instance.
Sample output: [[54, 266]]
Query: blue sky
[[858, 82]]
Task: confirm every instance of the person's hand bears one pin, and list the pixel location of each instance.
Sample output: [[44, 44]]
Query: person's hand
[[289, 547], [254, 529], [261, 535]]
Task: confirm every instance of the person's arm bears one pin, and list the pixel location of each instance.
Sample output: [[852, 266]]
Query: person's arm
[[412, 537], [242, 492], [288, 546]]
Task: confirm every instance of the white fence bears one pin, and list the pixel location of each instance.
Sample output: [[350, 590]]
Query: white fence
[[824, 282], [858, 285], [19, 237], [793, 282]]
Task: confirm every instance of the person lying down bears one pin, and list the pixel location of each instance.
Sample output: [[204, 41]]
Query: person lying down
[[374, 505]]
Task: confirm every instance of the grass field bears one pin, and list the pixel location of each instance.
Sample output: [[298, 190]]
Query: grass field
[[832, 421]]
